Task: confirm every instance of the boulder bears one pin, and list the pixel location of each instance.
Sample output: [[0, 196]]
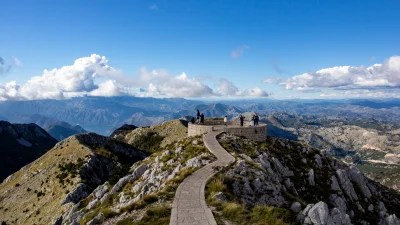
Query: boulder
[[334, 184], [337, 217], [80, 192], [138, 172], [295, 207], [100, 190], [392, 220], [122, 182], [92, 204], [346, 184], [319, 214], [194, 162], [359, 178]]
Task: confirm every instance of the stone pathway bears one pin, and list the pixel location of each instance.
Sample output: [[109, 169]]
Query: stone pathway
[[189, 206]]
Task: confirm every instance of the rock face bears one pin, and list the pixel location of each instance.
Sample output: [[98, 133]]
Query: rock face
[[146, 177], [21, 144], [291, 175]]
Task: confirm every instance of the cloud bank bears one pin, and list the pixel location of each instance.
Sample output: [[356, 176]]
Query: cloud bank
[[377, 76], [92, 76]]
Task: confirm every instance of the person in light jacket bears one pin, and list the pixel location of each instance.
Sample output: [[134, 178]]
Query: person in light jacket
[[226, 120]]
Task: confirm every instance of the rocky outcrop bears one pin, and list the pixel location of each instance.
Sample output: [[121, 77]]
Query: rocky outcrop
[[146, 177], [289, 175], [80, 192]]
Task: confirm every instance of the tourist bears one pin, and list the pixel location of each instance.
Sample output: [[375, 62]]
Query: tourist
[[202, 118], [252, 122], [241, 120], [192, 120], [198, 116], [226, 120], [256, 119]]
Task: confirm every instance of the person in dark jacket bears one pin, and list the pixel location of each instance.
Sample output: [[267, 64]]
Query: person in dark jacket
[[198, 116], [202, 118], [241, 120], [256, 119]]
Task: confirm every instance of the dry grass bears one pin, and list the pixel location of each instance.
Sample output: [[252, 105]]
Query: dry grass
[[40, 177]]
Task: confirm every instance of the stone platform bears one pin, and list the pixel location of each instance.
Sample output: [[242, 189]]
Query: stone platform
[[256, 133]]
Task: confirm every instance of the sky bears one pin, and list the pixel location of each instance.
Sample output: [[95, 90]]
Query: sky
[[209, 49]]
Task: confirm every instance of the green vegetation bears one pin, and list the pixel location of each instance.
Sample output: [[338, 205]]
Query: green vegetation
[[155, 216], [69, 169], [235, 212], [101, 150], [192, 151], [118, 172], [148, 142]]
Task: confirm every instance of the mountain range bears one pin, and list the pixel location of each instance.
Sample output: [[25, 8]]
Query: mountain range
[[104, 114], [131, 178]]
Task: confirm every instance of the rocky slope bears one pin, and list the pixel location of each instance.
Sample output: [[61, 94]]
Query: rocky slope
[[150, 186], [43, 190], [167, 132], [371, 144], [21, 144], [313, 186]]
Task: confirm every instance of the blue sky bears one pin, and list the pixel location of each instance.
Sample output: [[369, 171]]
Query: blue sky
[[203, 39]]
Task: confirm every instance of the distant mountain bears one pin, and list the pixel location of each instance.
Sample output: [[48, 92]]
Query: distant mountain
[[62, 130], [124, 128], [40, 120], [104, 114], [217, 110], [3, 118], [21, 144]]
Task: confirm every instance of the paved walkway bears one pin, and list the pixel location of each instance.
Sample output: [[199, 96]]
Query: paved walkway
[[189, 206]]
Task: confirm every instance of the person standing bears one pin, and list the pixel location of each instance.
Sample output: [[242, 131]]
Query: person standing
[[226, 120], [241, 118], [198, 116], [202, 118], [256, 119]]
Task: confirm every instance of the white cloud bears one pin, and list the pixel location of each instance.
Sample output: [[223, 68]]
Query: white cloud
[[227, 88], [107, 88], [255, 92], [153, 7], [273, 80], [160, 83], [83, 77], [236, 53], [386, 75], [77, 79]]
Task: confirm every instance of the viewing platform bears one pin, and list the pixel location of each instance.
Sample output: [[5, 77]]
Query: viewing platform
[[256, 133]]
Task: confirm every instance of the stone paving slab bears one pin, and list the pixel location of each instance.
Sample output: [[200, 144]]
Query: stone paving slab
[[189, 206]]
